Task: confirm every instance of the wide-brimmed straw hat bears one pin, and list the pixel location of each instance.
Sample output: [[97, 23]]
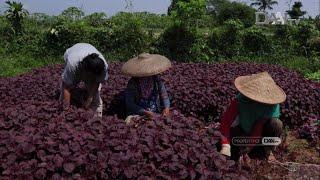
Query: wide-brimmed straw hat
[[146, 65], [261, 88]]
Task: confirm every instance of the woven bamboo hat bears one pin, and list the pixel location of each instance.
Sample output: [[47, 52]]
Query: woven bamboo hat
[[261, 88], [146, 65]]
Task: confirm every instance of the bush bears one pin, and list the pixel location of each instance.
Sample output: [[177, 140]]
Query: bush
[[153, 21], [24, 43], [315, 76], [40, 20], [282, 41], [96, 19], [176, 42], [127, 41], [314, 44], [236, 11], [100, 37], [302, 35], [201, 52], [214, 38], [150, 21], [228, 38], [255, 41], [118, 42], [60, 37], [282, 32], [189, 12], [5, 35], [317, 22]]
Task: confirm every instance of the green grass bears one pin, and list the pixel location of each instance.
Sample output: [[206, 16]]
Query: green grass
[[15, 65], [300, 64], [315, 76]]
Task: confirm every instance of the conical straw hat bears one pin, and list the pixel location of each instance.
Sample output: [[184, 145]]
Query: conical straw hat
[[261, 88], [146, 65]]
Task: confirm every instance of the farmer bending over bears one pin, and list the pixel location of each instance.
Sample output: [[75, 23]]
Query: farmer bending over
[[146, 94], [253, 113], [83, 62]]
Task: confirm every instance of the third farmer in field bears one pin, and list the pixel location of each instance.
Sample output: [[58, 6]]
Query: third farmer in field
[[83, 62], [146, 94], [254, 113]]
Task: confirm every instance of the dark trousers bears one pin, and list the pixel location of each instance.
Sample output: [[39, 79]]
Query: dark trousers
[[272, 128]]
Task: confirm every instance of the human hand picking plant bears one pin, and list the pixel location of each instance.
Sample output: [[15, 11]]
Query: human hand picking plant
[[166, 112], [149, 114], [87, 103]]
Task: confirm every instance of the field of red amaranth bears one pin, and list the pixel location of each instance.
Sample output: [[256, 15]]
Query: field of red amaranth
[[39, 139]]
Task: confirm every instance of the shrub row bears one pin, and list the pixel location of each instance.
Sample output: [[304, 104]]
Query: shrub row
[[122, 40]]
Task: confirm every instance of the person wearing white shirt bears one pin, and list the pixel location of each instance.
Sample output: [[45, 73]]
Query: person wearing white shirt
[[83, 62]]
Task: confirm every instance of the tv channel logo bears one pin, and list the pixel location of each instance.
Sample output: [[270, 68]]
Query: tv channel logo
[[256, 141]]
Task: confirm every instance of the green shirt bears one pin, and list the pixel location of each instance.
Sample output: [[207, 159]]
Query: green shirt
[[251, 111]]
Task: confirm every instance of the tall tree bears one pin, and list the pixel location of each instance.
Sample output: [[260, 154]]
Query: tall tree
[[296, 11], [174, 5], [264, 4], [96, 19], [236, 10], [214, 6], [189, 12], [15, 13], [73, 13]]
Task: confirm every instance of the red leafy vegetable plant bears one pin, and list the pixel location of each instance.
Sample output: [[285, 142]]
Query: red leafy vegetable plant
[[310, 130], [37, 138], [73, 144], [197, 89]]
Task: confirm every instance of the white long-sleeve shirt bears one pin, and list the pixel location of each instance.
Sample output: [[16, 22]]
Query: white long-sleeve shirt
[[72, 73]]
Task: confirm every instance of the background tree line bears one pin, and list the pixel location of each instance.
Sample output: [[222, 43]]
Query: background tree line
[[194, 30]]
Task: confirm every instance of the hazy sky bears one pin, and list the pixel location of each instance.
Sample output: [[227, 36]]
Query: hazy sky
[[110, 7]]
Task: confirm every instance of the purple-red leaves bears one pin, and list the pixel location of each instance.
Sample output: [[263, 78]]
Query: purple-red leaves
[[58, 160], [41, 173], [68, 167], [38, 138], [311, 130]]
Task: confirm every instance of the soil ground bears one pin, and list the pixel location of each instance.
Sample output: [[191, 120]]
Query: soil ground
[[297, 159]]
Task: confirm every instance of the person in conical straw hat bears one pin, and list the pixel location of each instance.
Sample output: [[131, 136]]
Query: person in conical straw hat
[[146, 94], [253, 113]]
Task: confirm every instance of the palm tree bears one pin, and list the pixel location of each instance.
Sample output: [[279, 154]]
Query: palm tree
[[296, 11], [264, 4], [15, 13]]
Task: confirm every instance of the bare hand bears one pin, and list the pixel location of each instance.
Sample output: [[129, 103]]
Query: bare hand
[[92, 90], [149, 114], [66, 96], [66, 106], [271, 158], [166, 112], [88, 103]]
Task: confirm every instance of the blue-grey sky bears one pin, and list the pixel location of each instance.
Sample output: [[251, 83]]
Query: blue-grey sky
[[111, 7]]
